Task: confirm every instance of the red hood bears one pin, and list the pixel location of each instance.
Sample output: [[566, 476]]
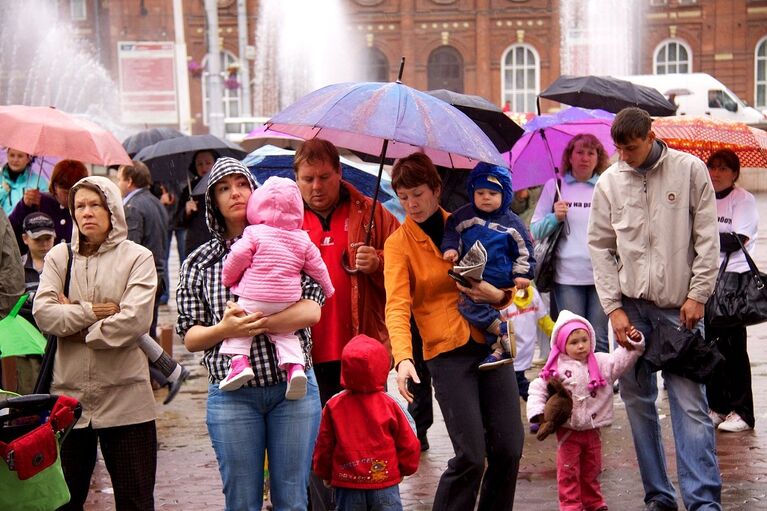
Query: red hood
[[364, 365]]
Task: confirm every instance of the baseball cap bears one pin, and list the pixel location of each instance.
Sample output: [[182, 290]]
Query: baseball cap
[[38, 224]]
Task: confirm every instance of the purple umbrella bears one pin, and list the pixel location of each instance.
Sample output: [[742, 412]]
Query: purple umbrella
[[569, 114], [536, 157], [390, 120]]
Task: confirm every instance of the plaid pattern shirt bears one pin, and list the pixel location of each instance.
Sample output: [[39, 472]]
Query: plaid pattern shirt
[[201, 299]]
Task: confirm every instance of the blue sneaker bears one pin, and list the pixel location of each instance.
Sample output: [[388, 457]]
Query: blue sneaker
[[494, 360]]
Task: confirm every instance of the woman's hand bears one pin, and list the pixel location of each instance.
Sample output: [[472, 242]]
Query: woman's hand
[[104, 310], [560, 210], [237, 323], [32, 198], [190, 207], [406, 371], [483, 292]]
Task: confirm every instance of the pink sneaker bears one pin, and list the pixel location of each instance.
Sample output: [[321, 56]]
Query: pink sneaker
[[296, 382], [239, 373]]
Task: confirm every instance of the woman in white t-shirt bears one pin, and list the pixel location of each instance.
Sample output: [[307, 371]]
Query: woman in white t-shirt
[[583, 161], [730, 398]]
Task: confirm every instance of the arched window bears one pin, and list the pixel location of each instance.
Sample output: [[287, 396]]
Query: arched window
[[760, 83], [445, 69], [376, 66], [520, 78], [231, 86], [672, 56]]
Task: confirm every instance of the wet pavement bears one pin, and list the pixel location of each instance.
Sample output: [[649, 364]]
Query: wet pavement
[[187, 473]]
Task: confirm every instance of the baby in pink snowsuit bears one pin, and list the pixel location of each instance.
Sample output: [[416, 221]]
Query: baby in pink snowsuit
[[264, 271]]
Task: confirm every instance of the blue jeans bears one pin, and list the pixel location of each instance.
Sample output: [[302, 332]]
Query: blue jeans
[[695, 443], [584, 301], [244, 423], [384, 499]]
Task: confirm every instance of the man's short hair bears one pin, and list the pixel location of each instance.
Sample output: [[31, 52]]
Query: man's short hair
[[138, 173], [630, 123], [316, 150]]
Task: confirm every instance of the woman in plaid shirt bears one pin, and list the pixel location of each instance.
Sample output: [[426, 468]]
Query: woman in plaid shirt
[[245, 423]]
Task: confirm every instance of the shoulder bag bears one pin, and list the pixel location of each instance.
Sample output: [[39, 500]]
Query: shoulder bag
[[738, 298], [45, 377], [545, 250]]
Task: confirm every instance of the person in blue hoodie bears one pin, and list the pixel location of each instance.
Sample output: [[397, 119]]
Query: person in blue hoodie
[[510, 262]]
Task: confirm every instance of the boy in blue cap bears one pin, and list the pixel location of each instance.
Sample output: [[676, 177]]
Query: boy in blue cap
[[510, 263]]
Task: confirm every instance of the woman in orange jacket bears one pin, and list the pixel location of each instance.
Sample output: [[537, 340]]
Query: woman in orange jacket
[[481, 409]]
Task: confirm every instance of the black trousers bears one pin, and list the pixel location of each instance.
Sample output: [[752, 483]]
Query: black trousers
[[130, 455], [481, 412], [729, 389], [422, 407]]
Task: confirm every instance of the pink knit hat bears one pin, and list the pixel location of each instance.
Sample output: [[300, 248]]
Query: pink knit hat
[[550, 369]]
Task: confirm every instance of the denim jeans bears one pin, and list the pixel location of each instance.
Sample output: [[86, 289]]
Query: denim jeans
[[584, 301], [384, 499], [244, 423], [695, 443]]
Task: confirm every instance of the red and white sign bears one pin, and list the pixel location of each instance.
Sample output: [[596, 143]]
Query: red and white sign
[[147, 82]]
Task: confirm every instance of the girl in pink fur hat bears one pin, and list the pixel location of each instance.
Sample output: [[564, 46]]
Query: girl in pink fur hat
[[588, 377]]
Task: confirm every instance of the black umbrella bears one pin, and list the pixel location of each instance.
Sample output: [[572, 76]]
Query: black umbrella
[[169, 160], [607, 93], [499, 128], [144, 138]]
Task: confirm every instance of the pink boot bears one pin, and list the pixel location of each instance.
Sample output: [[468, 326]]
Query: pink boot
[[296, 382], [240, 372]]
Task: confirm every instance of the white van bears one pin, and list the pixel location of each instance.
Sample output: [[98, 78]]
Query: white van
[[701, 94]]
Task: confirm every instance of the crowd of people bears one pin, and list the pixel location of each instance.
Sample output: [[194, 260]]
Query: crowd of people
[[301, 297]]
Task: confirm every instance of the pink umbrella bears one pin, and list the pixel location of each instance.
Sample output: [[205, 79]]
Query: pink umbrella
[[48, 131], [262, 136], [536, 157]]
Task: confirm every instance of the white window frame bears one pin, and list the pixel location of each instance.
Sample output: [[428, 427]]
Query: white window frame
[[78, 10], [658, 2], [760, 82], [508, 92], [663, 46], [232, 98]]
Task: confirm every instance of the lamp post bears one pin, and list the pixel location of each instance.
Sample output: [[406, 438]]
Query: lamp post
[[215, 91]]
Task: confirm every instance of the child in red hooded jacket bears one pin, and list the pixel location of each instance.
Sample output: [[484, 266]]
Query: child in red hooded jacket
[[366, 444]]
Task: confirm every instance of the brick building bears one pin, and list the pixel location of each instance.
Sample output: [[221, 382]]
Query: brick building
[[504, 50]]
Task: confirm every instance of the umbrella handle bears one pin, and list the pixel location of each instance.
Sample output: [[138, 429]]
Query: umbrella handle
[[548, 153], [19, 303], [39, 174], [369, 234]]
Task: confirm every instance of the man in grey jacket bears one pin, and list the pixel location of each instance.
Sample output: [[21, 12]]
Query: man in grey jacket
[[654, 243]]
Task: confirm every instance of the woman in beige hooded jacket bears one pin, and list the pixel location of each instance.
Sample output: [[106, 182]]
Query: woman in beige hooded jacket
[[98, 361]]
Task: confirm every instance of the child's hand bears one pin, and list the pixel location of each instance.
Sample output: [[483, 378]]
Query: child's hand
[[521, 283], [634, 334], [326, 483], [450, 255]]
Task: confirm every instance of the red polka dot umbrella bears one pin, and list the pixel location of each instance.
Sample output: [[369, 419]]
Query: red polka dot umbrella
[[702, 136]]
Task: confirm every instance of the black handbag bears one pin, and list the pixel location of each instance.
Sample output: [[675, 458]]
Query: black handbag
[[45, 376], [544, 252], [738, 298]]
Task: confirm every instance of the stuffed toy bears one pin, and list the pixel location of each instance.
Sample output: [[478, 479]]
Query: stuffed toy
[[559, 407]]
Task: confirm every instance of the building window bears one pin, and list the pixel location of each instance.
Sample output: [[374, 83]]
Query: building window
[[445, 69], [672, 57], [376, 66], [231, 90], [78, 11], [658, 2], [520, 78], [761, 74]]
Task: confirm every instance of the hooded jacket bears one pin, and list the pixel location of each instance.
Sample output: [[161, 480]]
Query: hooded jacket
[[501, 232], [591, 408], [14, 192], [655, 236], [365, 440], [266, 263], [98, 361]]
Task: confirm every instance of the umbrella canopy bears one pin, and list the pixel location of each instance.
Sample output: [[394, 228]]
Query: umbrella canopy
[[17, 335], [169, 160], [702, 136], [48, 131], [263, 136], [607, 93], [268, 161], [493, 122], [536, 157], [135, 143], [570, 114], [367, 115]]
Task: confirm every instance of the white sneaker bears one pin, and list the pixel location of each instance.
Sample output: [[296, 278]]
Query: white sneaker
[[734, 424], [716, 418]]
